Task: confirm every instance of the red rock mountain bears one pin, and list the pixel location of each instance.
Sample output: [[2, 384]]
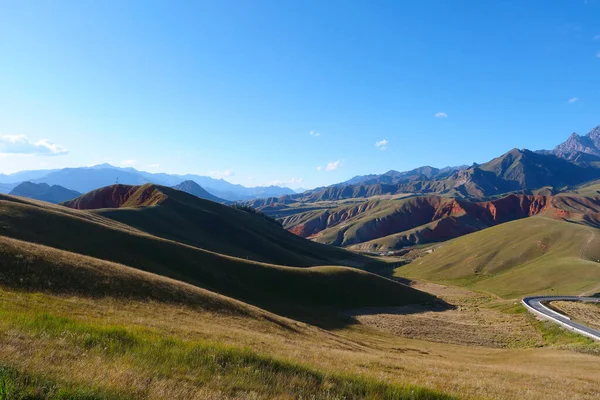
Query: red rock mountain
[[424, 219]]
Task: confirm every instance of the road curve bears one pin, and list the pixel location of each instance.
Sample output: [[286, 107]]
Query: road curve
[[536, 306]]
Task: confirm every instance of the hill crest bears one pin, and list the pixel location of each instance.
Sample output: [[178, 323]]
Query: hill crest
[[119, 196]]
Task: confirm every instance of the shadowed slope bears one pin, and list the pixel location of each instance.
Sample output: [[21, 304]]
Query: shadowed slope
[[179, 216], [267, 285], [34, 267]]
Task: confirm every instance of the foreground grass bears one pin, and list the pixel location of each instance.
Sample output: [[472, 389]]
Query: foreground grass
[[231, 371], [17, 385]]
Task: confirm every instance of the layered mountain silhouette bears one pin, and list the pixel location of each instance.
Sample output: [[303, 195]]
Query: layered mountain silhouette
[[517, 171], [192, 187], [41, 191], [85, 179]]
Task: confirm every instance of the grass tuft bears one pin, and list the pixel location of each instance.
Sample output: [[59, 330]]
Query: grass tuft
[[17, 385]]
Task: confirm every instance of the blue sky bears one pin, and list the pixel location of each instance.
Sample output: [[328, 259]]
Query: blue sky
[[234, 88]]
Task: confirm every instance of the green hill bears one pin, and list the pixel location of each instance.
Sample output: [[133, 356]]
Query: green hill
[[182, 217], [91, 234], [530, 256]]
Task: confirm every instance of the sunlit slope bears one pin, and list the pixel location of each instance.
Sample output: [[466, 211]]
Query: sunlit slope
[[89, 234], [176, 215], [532, 255]]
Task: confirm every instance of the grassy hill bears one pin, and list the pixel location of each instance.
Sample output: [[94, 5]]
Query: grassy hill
[[182, 217], [90, 234], [93, 308], [76, 327], [529, 256]]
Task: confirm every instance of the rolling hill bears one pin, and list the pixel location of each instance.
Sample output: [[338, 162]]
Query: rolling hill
[[383, 225], [535, 255], [41, 191], [176, 215], [90, 233], [103, 330]]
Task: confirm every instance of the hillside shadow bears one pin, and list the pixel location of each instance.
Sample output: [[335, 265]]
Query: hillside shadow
[[339, 318]]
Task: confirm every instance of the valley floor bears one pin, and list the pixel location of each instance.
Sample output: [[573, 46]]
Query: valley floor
[[482, 347]]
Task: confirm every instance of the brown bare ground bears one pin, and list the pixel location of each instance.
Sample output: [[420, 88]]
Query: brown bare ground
[[469, 322]]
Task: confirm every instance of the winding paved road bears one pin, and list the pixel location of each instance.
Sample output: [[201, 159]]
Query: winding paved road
[[536, 306]]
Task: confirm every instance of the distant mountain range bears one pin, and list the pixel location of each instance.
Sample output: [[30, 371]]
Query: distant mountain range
[[41, 191], [85, 179], [573, 162], [192, 187], [518, 171]]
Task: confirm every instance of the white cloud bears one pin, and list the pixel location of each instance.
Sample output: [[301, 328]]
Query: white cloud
[[382, 144], [290, 181], [221, 174], [154, 166], [320, 168], [314, 133], [573, 100], [128, 163], [332, 166], [21, 144], [441, 115]]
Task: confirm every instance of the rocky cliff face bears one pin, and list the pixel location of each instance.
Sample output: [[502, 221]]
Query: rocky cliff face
[[588, 144], [429, 218]]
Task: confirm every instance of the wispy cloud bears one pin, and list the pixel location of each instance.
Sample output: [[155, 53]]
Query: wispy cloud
[[441, 115], [598, 54], [597, 37], [382, 144], [314, 133], [332, 166], [154, 166], [221, 174], [291, 181], [320, 168], [21, 144], [573, 100], [129, 163]]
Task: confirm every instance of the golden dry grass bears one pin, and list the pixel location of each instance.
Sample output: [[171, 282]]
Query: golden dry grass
[[466, 371], [585, 313], [97, 323], [470, 322]]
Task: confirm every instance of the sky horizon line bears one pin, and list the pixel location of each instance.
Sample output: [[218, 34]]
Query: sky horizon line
[[296, 93]]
